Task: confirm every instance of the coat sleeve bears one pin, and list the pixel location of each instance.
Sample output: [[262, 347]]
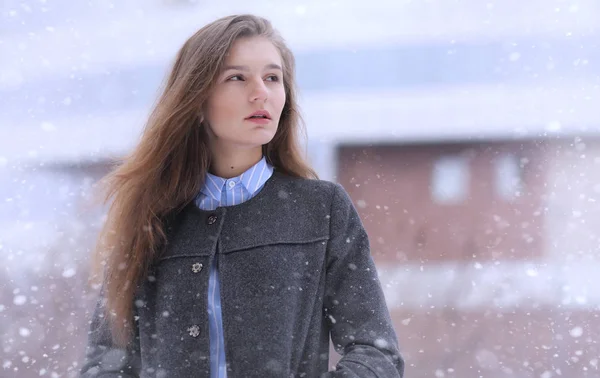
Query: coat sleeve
[[360, 323], [102, 358]]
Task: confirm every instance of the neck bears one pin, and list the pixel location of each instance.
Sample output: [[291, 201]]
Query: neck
[[228, 163]]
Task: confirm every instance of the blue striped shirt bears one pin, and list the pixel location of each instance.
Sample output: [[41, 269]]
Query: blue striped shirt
[[218, 192]]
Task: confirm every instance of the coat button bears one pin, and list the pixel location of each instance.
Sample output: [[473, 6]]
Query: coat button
[[212, 219], [194, 330], [197, 267]]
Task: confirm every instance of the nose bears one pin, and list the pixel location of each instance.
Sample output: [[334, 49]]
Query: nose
[[259, 92]]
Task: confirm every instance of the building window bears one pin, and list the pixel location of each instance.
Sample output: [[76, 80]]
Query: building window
[[450, 180], [509, 180]]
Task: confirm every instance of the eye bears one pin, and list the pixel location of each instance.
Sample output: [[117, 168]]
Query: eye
[[236, 78], [273, 78]]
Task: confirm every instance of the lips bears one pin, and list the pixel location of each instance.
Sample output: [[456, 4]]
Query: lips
[[259, 114]]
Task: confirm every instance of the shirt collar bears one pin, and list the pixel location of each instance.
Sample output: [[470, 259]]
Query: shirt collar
[[252, 180]]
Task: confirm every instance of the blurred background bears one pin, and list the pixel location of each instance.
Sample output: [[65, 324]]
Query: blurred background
[[467, 133]]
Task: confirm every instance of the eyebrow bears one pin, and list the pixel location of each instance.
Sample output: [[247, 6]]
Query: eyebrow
[[272, 66]]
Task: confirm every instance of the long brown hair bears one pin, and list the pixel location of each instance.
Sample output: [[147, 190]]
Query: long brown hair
[[167, 168]]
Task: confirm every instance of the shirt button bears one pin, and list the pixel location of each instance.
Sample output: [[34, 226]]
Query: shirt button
[[194, 330], [197, 267], [231, 184], [212, 219]]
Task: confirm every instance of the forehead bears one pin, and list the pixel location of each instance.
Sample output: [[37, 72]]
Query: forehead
[[253, 50]]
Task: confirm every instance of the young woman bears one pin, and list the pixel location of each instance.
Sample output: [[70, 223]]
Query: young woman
[[223, 255]]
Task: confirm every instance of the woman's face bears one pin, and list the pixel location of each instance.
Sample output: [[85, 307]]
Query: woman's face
[[251, 83]]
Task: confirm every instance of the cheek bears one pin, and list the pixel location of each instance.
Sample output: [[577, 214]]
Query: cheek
[[279, 99], [221, 108]]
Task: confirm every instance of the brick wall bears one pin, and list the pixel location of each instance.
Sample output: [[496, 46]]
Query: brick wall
[[486, 286]]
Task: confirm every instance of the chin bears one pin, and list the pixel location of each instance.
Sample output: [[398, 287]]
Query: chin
[[255, 137], [261, 136], [255, 141]]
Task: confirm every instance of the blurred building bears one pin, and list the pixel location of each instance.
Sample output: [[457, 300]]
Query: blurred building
[[467, 134]]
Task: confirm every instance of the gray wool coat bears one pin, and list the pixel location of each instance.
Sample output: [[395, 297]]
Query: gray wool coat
[[295, 268]]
